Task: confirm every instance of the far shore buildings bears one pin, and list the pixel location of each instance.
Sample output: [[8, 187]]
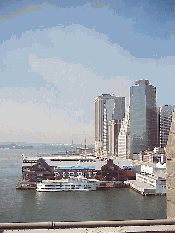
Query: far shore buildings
[[133, 134], [109, 113]]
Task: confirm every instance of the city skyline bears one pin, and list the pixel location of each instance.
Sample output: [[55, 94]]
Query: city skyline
[[55, 60]]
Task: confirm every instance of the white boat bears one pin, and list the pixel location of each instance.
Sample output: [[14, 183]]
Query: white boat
[[71, 184]]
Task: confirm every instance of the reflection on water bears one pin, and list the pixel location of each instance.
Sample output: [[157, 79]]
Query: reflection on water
[[32, 206]]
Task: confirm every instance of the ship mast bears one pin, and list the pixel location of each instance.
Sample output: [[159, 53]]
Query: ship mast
[[66, 151], [72, 147], [81, 149], [85, 147]]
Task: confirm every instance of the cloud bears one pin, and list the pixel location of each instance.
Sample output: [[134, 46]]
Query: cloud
[[29, 9], [58, 56], [69, 67]]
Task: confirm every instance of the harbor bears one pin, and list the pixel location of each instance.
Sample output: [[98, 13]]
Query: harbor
[[71, 165], [106, 204], [105, 171], [110, 172]]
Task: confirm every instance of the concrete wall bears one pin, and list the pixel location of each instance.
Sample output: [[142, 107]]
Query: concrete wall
[[170, 174]]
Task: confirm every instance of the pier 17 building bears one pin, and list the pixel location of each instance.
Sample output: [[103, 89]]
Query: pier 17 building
[[143, 117]]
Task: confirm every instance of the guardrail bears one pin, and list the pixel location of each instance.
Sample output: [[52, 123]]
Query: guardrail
[[87, 224]]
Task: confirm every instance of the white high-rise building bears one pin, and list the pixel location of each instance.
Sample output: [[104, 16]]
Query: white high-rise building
[[107, 107], [124, 137]]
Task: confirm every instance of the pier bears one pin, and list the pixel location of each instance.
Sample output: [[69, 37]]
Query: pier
[[25, 185], [112, 184], [143, 188]]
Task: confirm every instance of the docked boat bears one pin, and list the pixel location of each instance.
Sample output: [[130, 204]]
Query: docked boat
[[71, 184]]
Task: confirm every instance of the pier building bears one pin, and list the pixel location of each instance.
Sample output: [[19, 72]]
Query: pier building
[[150, 180], [149, 184], [54, 167]]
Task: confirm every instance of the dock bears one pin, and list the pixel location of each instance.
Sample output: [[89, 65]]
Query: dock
[[25, 185], [144, 189], [112, 184]]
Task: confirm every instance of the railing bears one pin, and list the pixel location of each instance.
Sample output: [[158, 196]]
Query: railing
[[87, 224]]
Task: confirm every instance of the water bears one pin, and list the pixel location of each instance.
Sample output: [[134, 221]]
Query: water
[[32, 206]]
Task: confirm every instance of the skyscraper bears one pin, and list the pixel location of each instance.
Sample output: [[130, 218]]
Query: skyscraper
[[165, 119], [124, 137], [107, 107], [143, 117]]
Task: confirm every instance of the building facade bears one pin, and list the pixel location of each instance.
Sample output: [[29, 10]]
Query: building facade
[[124, 137], [107, 108], [114, 130], [165, 119], [143, 117]]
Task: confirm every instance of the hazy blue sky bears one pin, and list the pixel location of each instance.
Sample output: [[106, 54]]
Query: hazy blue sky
[[57, 56]]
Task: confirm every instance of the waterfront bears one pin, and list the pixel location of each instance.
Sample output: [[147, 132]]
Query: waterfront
[[30, 206]]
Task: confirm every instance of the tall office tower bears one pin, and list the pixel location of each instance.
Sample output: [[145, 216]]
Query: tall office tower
[[107, 107], [124, 137], [165, 119], [143, 117]]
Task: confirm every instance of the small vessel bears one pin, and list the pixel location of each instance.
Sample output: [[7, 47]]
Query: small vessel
[[78, 183]]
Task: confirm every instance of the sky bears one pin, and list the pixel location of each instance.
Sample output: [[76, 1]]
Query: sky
[[56, 57]]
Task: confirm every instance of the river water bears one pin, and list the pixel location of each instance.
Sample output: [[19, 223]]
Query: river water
[[32, 206]]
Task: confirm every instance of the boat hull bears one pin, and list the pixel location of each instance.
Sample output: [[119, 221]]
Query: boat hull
[[67, 185]]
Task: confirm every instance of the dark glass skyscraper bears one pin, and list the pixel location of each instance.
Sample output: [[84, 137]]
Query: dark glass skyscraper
[[143, 118]]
